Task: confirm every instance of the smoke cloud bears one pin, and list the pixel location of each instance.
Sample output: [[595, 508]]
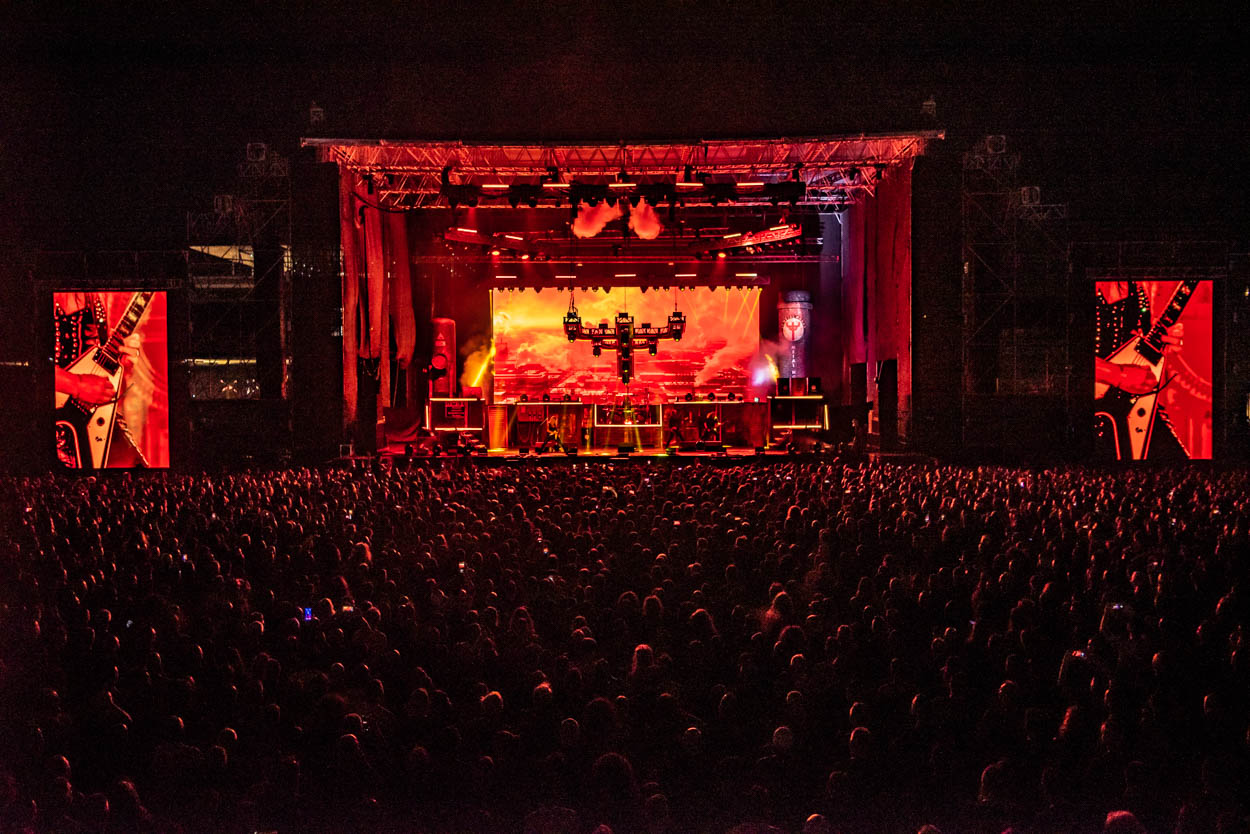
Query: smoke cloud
[[764, 366], [477, 353], [644, 221], [591, 220]]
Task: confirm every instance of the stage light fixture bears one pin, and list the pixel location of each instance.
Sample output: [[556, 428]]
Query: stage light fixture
[[459, 195], [589, 193], [527, 193], [721, 254], [654, 193], [789, 191], [720, 192]]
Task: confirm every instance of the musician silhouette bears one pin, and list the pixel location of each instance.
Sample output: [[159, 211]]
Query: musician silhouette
[[551, 439]]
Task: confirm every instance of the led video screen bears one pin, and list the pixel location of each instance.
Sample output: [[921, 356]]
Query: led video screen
[[1152, 369], [111, 380], [534, 357]]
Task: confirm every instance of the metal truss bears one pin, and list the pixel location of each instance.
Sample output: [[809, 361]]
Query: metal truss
[[1015, 282], [835, 170], [222, 245]]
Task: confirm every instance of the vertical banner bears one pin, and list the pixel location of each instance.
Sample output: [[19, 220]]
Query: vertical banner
[[794, 326], [111, 379], [443, 358], [1153, 370]]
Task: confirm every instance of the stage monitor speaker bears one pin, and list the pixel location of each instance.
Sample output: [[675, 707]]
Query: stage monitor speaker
[[571, 451], [689, 446], [626, 449], [783, 386]]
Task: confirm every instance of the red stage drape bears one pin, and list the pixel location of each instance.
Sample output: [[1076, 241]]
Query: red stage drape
[[876, 282], [349, 233], [402, 316], [375, 345], [377, 287]]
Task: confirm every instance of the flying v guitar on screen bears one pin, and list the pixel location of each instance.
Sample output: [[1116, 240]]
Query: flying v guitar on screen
[[1128, 383], [89, 430]]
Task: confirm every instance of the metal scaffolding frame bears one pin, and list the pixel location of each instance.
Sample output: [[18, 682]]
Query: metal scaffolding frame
[[222, 244], [1015, 285], [835, 170]]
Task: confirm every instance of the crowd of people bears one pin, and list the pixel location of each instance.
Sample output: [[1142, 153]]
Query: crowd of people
[[791, 647]]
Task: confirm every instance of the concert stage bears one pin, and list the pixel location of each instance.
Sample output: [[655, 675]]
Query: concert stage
[[750, 294]]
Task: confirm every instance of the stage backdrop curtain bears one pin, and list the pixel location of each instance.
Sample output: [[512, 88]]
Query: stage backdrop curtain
[[890, 265], [876, 290], [349, 232], [402, 318], [375, 346]]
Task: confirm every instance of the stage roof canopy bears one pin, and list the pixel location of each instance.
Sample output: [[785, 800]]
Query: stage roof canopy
[[819, 171]]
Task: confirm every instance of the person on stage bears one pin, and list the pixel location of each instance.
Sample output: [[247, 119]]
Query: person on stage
[[674, 426], [551, 439], [709, 428]]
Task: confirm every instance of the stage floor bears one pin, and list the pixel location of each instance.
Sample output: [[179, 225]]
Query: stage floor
[[512, 457]]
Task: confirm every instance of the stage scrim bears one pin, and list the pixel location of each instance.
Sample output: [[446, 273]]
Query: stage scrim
[[533, 356]]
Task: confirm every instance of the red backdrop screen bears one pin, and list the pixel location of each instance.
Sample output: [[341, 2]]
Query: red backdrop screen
[[1152, 369], [533, 356], [111, 379]]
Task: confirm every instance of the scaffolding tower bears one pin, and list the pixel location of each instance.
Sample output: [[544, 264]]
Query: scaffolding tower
[[238, 279], [1015, 288]]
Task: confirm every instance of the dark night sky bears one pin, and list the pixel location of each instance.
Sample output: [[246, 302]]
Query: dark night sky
[[117, 119]]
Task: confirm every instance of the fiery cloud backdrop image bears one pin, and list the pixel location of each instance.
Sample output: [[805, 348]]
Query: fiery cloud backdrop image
[[717, 354]]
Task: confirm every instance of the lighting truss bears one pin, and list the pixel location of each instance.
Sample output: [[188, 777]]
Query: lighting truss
[[774, 234], [831, 170], [497, 243]]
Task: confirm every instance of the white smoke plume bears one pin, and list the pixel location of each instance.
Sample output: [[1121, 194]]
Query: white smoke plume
[[644, 221], [477, 352], [591, 220]]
